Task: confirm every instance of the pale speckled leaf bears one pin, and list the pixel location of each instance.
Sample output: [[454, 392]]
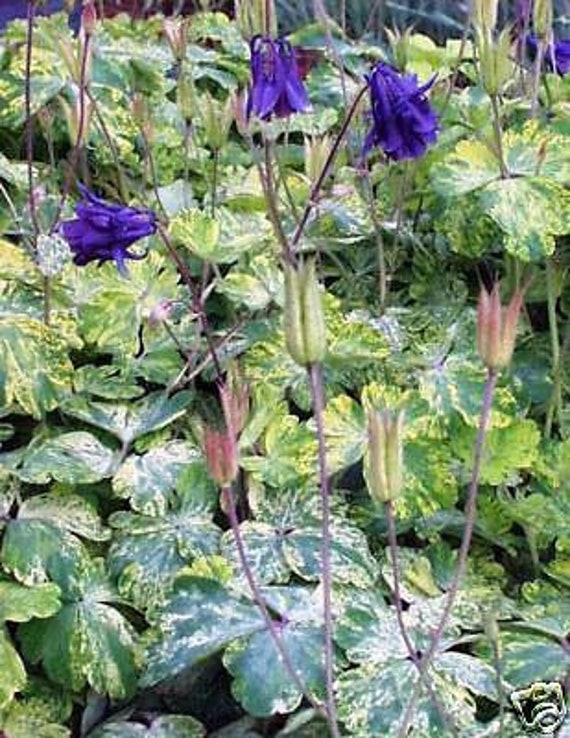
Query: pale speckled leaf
[[20, 604], [34, 367], [73, 458], [149, 480], [372, 701], [507, 450], [368, 629], [128, 422], [161, 726], [67, 511], [529, 657], [531, 211], [345, 430], [263, 545], [33, 549], [13, 672], [38, 711], [148, 552], [261, 682], [469, 671], [351, 560], [88, 640], [471, 165], [199, 618]]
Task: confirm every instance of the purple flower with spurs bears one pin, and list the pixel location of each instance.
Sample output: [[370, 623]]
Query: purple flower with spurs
[[276, 86], [104, 231], [403, 121]]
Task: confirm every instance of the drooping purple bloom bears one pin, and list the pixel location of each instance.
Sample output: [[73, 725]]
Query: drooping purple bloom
[[103, 231], [276, 87], [403, 121], [556, 54]]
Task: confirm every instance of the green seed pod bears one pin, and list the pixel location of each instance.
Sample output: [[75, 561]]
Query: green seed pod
[[383, 458], [485, 14], [495, 63], [542, 18], [305, 330]]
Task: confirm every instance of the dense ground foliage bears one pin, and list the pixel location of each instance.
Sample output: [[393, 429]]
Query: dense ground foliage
[[125, 606]]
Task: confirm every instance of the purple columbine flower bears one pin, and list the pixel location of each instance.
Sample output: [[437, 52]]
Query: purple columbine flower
[[556, 54], [403, 122], [103, 231], [276, 86]]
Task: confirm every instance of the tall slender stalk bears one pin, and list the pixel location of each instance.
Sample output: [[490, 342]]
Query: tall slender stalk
[[397, 600], [29, 128], [272, 627], [555, 404], [498, 132], [315, 372], [470, 514]]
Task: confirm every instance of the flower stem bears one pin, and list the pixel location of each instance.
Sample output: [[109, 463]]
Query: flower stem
[[499, 136], [536, 77], [272, 627], [397, 600], [316, 188], [470, 514], [29, 122], [315, 372], [555, 404], [215, 162]]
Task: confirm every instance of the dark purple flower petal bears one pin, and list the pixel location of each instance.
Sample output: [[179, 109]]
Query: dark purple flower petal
[[556, 54], [276, 87], [103, 231], [403, 122]]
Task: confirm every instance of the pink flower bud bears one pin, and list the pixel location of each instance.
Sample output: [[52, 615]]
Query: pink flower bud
[[221, 455], [497, 327]]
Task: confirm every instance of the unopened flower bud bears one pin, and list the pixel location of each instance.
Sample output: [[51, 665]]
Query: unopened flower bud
[[542, 18], [305, 330], [160, 313], [316, 153], [175, 31], [234, 396], [88, 17], [495, 60], [497, 327], [383, 458], [485, 14], [239, 110], [221, 455], [186, 96], [250, 17], [216, 118]]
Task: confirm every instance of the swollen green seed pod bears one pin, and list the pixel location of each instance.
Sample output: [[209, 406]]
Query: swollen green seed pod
[[383, 458], [305, 330]]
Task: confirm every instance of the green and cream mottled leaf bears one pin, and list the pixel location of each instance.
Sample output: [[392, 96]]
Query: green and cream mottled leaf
[[264, 550], [531, 211], [129, 422], [20, 604], [88, 640], [262, 691], [199, 618], [13, 672], [160, 726], [67, 511], [76, 457], [149, 480], [35, 370], [148, 552]]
